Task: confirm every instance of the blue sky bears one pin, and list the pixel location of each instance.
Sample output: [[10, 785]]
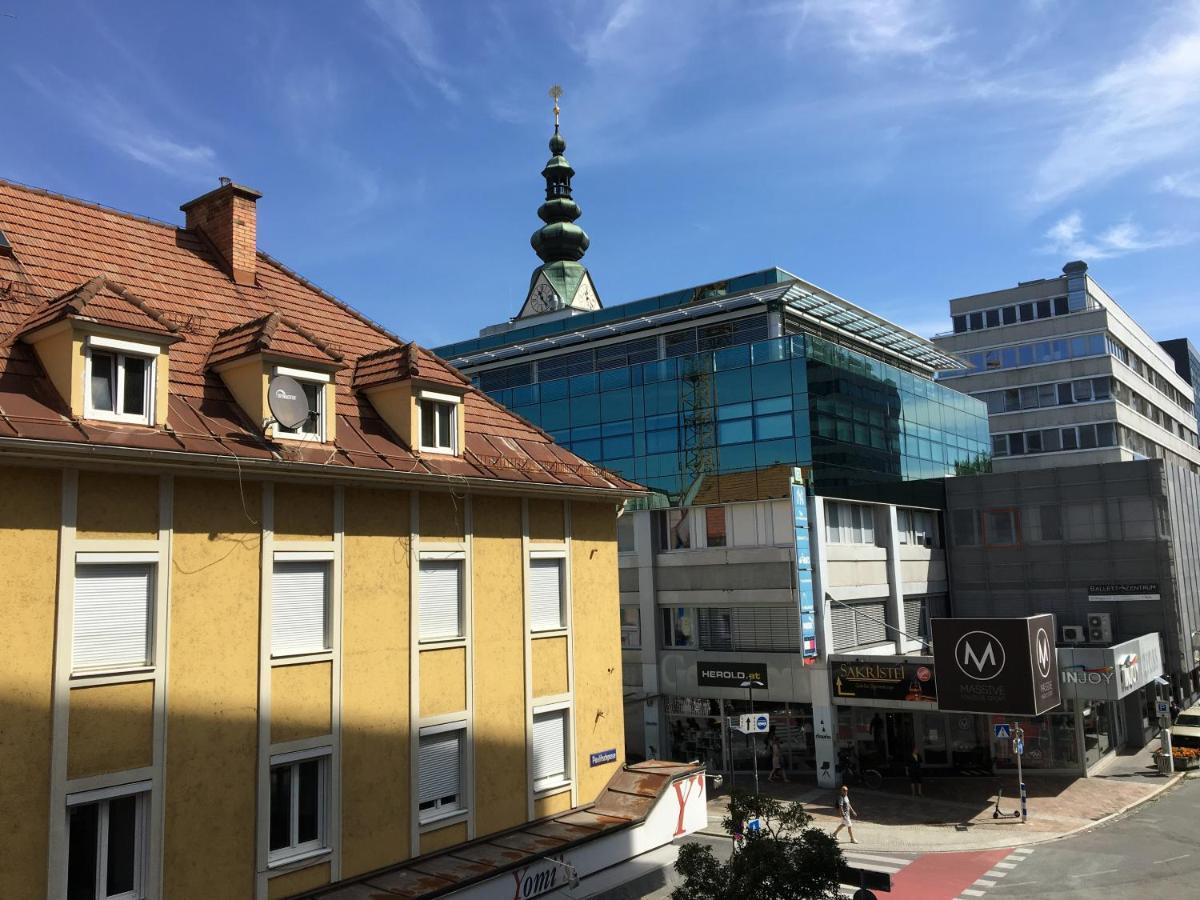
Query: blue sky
[[897, 153]]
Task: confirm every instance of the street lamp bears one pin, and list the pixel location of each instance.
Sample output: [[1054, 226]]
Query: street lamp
[[750, 686]]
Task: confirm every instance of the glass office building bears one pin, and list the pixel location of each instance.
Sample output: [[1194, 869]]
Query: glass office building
[[715, 381]]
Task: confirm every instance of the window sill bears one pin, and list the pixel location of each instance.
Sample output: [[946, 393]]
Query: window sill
[[435, 821], [297, 861], [440, 451], [297, 659], [440, 643], [298, 437], [105, 674], [551, 790], [116, 418], [561, 631]]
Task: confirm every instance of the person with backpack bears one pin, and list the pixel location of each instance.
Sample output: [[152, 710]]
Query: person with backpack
[[846, 809]]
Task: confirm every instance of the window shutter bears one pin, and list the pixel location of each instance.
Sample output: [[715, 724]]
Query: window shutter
[[112, 616], [545, 594], [299, 601], [549, 747], [438, 763], [441, 598], [715, 629], [783, 525], [842, 624], [871, 630]]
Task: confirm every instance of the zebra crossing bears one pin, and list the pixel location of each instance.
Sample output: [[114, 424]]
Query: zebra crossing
[[998, 870], [879, 862]]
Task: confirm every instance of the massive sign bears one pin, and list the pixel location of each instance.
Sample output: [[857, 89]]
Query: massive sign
[[996, 665]]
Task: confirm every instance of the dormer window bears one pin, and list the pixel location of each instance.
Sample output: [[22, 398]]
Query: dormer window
[[314, 385], [119, 380], [439, 423]]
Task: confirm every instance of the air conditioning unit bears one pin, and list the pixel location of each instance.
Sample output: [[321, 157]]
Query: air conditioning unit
[[1099, 628], [1073, 634]]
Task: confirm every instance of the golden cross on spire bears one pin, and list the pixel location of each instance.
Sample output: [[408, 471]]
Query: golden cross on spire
[[556, 91]]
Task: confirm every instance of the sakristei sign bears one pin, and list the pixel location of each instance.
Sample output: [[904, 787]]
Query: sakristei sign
[[996, 665]]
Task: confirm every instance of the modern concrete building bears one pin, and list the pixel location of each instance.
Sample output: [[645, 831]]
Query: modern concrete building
[[1187, 362], [1069, 377], [749, 405], [1110, 549]]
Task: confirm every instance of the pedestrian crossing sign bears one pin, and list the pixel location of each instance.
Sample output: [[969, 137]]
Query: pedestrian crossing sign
[[1003, 730]]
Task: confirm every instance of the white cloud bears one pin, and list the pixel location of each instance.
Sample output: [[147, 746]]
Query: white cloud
[[1145, 108], [408, 26], [1185, 184], [1068, 238], [121, 126], [878, 28]]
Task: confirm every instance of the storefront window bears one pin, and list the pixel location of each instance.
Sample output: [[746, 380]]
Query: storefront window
[[1050, 741]]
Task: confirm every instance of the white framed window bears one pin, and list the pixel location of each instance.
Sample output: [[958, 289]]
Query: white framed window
[[114, 613], [298, 825], [440, 596], [439, 423], [107, 843], [119, 380], [551, 742], [917, 527], [314, 385], [440, 762], [547, 611], [299, 605], [849, 523], [631, 628]]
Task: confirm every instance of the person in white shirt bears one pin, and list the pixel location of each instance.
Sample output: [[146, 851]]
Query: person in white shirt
[[846, 810]]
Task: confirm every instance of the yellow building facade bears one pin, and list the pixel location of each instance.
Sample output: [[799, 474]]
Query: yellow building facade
[[245, 664]]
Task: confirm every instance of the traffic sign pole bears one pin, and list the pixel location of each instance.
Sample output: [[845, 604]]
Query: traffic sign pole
[[1019, 746]]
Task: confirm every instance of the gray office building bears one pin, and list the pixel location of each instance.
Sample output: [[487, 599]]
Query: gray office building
[[1111, 550], [1069, 377]]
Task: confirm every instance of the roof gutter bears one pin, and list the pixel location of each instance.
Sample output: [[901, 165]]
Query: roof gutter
[[40, 453]]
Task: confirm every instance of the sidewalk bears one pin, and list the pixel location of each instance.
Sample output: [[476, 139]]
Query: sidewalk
[[955, 813]]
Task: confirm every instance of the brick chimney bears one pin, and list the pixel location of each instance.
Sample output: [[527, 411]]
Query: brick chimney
[[228, 217]]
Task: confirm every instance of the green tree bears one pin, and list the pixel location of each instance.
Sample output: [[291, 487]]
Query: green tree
[[785, 859]]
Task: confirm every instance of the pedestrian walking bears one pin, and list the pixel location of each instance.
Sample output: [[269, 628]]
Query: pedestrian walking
[[914, 772], [847, 811], [777, 761]]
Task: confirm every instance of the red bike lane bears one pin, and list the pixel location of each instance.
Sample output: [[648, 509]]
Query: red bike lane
[[942, 876]]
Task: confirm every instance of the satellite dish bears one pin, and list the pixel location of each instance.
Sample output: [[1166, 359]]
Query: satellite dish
[[287, 401]]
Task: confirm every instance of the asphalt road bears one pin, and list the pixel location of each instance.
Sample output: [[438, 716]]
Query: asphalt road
[[1152, 851]]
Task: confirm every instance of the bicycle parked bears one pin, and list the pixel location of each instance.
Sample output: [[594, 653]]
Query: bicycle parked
[[852, 770]]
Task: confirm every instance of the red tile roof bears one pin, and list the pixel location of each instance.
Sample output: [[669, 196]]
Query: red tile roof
[[136, 273], [101, 300]]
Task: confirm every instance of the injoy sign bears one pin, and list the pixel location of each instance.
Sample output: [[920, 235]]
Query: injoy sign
[[996, 665]]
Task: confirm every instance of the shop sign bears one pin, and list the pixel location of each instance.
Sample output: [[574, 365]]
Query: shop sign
[[542, 877], [804, 582], [724, 674], [1109, 673], [901, 680], [603, 757], [1142, 590], [996, 665]]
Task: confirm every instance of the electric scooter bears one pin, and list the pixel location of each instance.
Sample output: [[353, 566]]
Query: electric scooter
[[998, 813]]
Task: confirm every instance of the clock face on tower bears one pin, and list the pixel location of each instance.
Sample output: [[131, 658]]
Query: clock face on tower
[[543, 298]]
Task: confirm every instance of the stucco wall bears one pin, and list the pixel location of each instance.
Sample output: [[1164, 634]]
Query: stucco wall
[[549, 658], [546, 523], [301, 698], [116, 506], [443, 837], [375, 697], [292, 883], [499, 665], [443, 681], [111, 728], [30, 515], [303, 512], [555, 803], [599, 722], [212, 684], [442, 516]]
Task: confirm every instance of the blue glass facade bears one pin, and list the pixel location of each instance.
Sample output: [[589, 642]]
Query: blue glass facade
[[797, 400]]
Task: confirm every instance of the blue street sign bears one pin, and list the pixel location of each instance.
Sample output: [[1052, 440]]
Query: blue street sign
[[1019, 747], [1003, 730], [760, 724]]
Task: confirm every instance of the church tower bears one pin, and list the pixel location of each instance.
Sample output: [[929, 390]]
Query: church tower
[[561, 282]]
